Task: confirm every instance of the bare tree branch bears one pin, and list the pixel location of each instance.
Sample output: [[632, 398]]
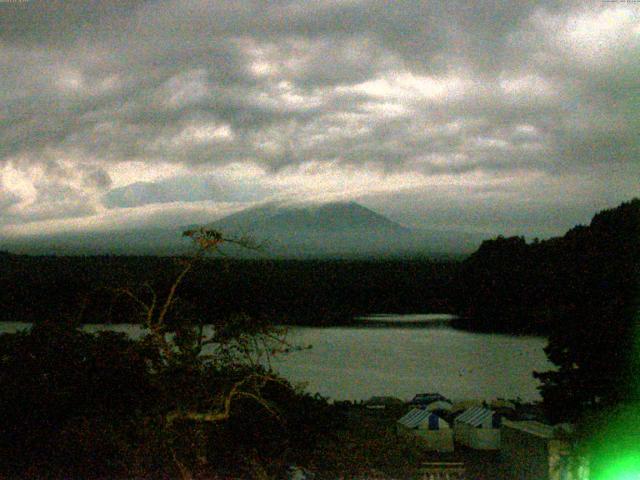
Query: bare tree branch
[[235, 392]]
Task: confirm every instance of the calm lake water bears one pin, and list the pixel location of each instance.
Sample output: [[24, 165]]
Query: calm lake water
[[402, 355]]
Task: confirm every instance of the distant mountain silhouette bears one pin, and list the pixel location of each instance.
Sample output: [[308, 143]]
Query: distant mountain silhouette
[[336, 229], [320, 219]]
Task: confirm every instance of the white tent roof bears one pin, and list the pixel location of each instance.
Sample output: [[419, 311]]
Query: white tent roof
[[534, 428], [439, 405], [417, 417], [462, 405], [478, 417]]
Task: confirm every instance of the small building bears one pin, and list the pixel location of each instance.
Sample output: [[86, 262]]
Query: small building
[[433, 431], [375, 403], [478, 428], [425, 399], [534, 451], [442, 408]]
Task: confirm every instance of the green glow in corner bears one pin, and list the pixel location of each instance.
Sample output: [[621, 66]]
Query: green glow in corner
[[627, 468], [616, 447]]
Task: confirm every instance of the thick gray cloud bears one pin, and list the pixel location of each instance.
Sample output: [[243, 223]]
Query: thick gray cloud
[[53, 201], [437, 89], [7, 199]]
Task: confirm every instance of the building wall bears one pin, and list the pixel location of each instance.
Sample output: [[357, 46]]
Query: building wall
[[524, 456], [434, 440], [437, 440], [462, 434], [478, 438]]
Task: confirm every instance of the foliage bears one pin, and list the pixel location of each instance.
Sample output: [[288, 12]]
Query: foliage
[[62, 393], [497, 285], [595, 342], [366, 445], [513, 286], [184, 400], [90, 405]]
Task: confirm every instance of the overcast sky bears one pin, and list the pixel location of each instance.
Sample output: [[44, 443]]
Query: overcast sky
[[515, 117]]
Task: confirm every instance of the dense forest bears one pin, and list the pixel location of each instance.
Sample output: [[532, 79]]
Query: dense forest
[[518, 287], [282, 291], [583, 291]]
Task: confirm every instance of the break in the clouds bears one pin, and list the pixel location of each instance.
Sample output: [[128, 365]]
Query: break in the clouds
[[185, 189], [430, 111]]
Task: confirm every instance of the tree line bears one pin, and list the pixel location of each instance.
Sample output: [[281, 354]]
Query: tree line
[[518, 287], [311, 292]]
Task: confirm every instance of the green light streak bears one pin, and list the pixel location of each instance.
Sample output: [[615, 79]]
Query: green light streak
[[615, 449]]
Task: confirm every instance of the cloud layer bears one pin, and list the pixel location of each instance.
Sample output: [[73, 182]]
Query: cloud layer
[[524, 107]]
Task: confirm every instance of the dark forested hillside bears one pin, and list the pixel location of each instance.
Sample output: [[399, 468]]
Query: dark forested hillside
[[34, 288], [583, 291], [515, 286]]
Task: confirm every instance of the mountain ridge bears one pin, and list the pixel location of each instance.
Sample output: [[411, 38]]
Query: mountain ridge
[[343, 229], [331, 215]]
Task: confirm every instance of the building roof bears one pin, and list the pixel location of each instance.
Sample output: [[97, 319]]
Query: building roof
[[417, 417], [532, 427], [383, 400], [479, 417], [425, 398], [462, 405]]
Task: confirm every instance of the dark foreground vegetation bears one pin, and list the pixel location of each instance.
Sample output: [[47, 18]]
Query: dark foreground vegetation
[[77, 405], [518, 287], [176, 403], [582, 290]]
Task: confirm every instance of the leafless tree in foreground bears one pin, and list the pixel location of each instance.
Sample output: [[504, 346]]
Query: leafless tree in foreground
[[249, 348]]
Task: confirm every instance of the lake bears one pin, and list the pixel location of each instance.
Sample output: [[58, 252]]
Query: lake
[[401, 355]]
